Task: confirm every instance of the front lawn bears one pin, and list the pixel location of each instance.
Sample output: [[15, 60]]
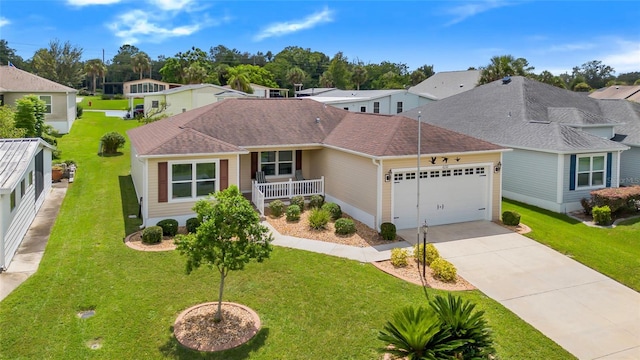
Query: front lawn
[[614, 252], [312, 306], [97, 103]]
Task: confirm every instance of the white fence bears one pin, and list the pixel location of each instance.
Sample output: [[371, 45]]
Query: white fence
[[284, 190]]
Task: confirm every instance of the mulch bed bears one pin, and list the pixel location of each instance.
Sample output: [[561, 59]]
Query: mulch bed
[[134, 241]]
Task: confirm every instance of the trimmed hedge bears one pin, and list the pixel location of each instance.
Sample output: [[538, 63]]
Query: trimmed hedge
[[277, 208], [399, 257], [333, 209], [152, 235], [601, 215], [432, 253], [192, 225], [617, 199], [169, 227], [388, 231], [316, 201], [345, 226], [511, 218], [293, 213], [299, 201], [443, 270]]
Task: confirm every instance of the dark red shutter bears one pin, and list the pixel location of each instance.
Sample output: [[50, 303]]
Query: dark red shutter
[[163, 186], [254, 164], [298, 159], [224, 174]]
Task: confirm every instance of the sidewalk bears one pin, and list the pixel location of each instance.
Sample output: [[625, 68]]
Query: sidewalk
[[27, 258]]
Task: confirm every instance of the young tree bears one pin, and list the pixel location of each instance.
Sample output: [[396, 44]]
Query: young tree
[[30, 115], [8, 129], [230, 236]]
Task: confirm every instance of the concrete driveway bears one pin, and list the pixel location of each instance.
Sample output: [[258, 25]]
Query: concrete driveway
[[587, 313]]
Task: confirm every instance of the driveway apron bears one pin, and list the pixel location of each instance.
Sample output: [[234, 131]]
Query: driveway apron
[[587, 313]]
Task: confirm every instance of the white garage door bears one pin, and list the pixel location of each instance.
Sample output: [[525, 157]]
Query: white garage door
[[446, 196]]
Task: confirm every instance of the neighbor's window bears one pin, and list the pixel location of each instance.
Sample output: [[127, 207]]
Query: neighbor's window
[[155, 104], [47, 103], [276, 162], [399, 107], [133, 89], [23, 188], [12, 199], [590, 171], [192, 180], [30, 178], [376, 107], [363, 109]]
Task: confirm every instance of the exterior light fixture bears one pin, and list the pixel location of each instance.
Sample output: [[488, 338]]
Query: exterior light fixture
[[498, 166]]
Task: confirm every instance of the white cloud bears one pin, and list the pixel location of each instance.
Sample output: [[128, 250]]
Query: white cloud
[[91, 2], [569, 47], [172, 5], [284, 28], [136, 26], [627, 59], [4, 21], [465, 11]]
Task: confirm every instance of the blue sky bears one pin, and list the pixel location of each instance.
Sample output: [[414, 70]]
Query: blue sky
[[450, 35]]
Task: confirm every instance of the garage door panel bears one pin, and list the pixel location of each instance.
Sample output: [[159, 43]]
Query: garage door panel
[[446, 196]]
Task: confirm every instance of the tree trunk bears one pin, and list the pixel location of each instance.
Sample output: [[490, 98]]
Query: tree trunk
[[94, 84], [218, 316]]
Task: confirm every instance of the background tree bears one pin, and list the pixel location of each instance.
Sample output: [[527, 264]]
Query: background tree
[[399, 75], [120, 69], [29, 115], [94, 68], [548, 78], [60, 63], [595, 73], [8, 54], [504, 65], [8, 128], [194, 74], [295, 75], [239, 80], [339, 71], [140, 63], [359, 75], [257, 75], [230, 236], [629, 78]]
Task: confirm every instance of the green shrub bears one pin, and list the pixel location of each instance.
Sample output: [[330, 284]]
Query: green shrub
[[388, 231], [192, 224], [318, 219], [432, 253], [111, 142], [106, 97], [118, 96], [169, 227], [79, 111], [333, 209], [277, 208], [511, 218], [152, 235], [316, 201], [587, 205], [601, 215], [345, 226], [293, 213], [298, 200], [617, 199], [443, 270], [399, 257]]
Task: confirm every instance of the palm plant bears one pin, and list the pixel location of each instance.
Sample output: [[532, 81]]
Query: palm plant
[[295, 76], [239, 80], [94, 68], [359, 76], [505, 65], [140, 62], [458, 318], [417, 334]]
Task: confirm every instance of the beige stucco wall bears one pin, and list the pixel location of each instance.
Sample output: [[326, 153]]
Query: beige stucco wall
[[465, 159], [175, 209]]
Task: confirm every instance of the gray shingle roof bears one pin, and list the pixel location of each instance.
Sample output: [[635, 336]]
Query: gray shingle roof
[[616, 92], [13, 79], [236, 125], [447, 83], [524, 114]]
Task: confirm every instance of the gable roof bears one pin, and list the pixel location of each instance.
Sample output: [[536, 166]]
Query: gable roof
[[345, 96], [15, 157], [524, 113], [447, 83], [13, 79], [238, 125], [616, 92], [312, 91]]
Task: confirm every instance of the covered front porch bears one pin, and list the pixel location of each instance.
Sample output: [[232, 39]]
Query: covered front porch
[[284, 190]]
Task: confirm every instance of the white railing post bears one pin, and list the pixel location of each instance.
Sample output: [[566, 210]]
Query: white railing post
[[290, 188], [322, 184]]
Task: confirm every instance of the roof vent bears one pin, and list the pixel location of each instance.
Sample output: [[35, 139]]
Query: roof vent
[[461, 85], [506, 80], [317, 120]]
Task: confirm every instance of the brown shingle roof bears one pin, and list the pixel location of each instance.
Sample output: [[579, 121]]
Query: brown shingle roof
[[13, 79], [232, 125]]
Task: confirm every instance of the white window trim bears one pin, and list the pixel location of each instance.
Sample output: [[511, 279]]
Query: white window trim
[[277, 162], [193, 180], [45, 103], [604, 172]]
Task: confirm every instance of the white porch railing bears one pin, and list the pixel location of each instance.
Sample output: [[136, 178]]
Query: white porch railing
[[284, 190]]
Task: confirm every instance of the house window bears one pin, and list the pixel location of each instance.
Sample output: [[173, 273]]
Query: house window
[[468, 171], [12, 200], [446, 173], [133, 89], [346, 108], [155, 104], [435, 174], [410, 176], [376, 107], [47, 103], [399, 107], [480, 171], [397, 176], [424, 174], [363, 109], [30, 178], [23, 188], [192, 180], [161, 87], [457, 172], [276, 163], [590, 170]]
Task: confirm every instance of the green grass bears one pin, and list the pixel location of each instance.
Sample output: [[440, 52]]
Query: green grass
[[312, 306], [611, 251], [98, 104]]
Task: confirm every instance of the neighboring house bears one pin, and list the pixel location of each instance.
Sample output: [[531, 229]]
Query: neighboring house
[[365, 163], [25, 180], [187, 97], [388, 102], [267, 92], [447, 83], [144, 86], [312, 91], [631, 93], [561, 139], [60, 100]]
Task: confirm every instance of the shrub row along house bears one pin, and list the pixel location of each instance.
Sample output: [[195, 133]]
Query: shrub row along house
[[565, 144], [366, 163]]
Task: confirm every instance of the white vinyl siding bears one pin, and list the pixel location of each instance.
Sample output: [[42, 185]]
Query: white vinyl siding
[[630, 166], [531, 174], [603, 132]]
